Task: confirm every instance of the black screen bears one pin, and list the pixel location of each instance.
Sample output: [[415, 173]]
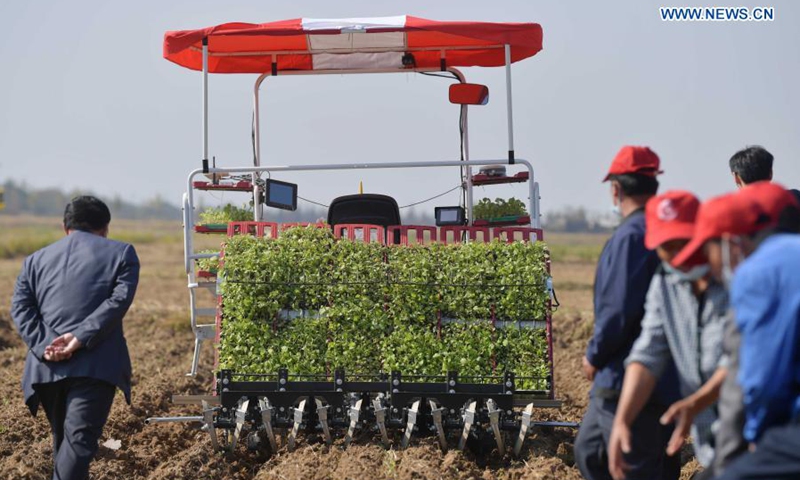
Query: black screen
[[281, 195], [446, 216]]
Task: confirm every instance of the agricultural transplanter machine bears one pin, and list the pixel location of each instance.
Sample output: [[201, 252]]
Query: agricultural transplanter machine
[[258, 405]]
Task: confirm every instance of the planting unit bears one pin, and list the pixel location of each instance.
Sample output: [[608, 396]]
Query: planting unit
[[363, 324]]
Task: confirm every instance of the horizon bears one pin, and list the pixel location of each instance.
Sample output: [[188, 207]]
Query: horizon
[[608, 75]]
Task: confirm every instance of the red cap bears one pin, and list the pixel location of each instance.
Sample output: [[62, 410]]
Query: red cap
[[771, 197], [670, 216], [732, 214], [631, 159]]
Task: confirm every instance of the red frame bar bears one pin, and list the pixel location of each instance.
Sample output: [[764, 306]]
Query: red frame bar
[[206, 274], [481, 179], [241, 186], [520, 220], [206, 229]]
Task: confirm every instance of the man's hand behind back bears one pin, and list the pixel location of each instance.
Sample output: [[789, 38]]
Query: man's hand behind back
[[62, 348], [589, 370]]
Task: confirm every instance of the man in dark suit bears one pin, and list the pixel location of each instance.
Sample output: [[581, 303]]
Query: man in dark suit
[[68, 306]]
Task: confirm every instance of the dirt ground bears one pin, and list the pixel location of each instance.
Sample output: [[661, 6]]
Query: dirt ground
[[161, 343]]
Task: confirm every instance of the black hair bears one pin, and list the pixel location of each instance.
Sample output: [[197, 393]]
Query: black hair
[[796, 194], [633, 184], [789, 220], [753, 164], [87, 214]]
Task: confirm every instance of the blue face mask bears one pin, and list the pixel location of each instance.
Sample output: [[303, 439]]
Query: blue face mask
[[695, 273]]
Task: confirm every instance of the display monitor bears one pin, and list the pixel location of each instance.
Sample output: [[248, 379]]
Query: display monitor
[[447, 216], [281, 195]]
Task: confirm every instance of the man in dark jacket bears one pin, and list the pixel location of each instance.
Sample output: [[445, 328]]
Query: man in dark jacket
[[623, 276], [68, 306]]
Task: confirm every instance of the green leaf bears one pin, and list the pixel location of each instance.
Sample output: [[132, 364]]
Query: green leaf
[[369, 308]]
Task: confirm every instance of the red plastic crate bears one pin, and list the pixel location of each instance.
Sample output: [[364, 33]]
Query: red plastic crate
[[350, 230], [259, 229], [457, 231], [404, 230], [286, 226], [528, 234]]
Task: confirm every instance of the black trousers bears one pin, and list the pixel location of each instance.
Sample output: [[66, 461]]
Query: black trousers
[[777, 456], [77, 409], [648, 460]]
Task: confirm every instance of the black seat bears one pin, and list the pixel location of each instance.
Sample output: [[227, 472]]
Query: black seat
[[368, 208]]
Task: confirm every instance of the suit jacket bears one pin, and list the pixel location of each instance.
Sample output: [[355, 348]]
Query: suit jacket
[[82, 284]]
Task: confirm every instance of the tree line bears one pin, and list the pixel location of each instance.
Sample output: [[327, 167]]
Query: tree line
[[20, 199]]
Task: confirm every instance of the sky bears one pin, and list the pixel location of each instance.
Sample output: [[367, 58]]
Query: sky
[[87, 100]]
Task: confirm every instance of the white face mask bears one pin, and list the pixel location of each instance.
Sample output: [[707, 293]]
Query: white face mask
[[727, 266], [616, 209], [695, 273]]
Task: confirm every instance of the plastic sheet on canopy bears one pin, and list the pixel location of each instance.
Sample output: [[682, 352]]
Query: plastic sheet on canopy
[[352, 44]]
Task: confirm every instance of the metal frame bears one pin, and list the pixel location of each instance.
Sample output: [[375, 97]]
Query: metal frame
[[205, 101], [267, 403], [258, 210], [532, 184], [467, 174], [509, 109], [275, 53], [264, 76]]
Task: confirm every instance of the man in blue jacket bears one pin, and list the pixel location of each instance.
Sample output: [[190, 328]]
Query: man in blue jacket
[[68, 306], [623, 276], [765, 295], [755, 248]]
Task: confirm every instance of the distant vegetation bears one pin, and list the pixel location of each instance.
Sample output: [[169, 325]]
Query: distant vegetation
[[577, 220], [21, 199]]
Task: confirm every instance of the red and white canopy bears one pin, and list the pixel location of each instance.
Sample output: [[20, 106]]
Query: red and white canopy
[[351, 44]]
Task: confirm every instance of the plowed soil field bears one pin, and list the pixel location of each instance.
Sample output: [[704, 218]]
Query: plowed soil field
[[160, 341]]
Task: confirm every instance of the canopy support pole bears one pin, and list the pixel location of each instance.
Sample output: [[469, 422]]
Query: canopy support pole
[[470, 200], [258, 214], [509, 108], [205, 104], [466, 171]]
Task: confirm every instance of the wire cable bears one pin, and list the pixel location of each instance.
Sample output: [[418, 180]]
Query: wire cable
[[313, 202], [440, 75], [404, 206], [450, 75], [432, 198]]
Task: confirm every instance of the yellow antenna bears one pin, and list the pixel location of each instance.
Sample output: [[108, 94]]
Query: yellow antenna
[[361, 187]]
